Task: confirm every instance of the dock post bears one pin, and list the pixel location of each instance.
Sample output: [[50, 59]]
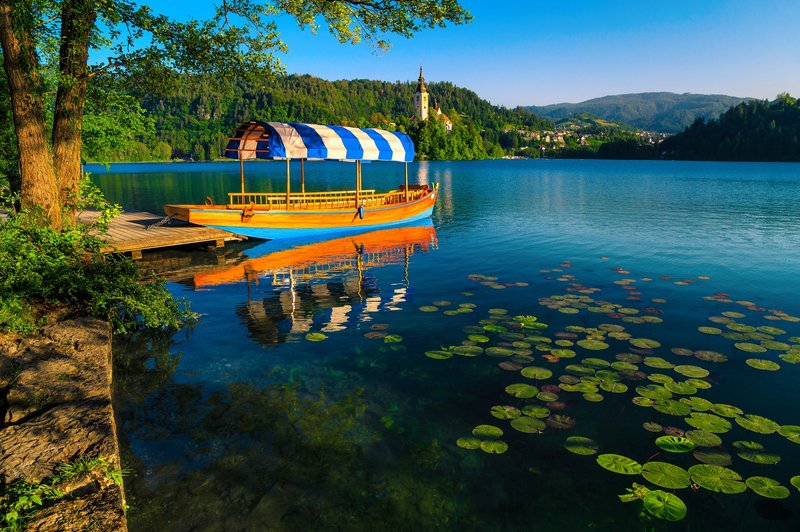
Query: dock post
[[288, 182], [406, 182]]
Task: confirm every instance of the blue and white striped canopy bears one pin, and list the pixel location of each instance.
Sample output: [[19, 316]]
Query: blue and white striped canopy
[[279, 140]]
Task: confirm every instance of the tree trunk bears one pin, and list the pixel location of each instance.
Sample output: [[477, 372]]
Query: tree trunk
[[39, 186], [77, 20]]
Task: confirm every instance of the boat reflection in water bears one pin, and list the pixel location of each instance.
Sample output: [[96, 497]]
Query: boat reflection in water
[[323, 282]]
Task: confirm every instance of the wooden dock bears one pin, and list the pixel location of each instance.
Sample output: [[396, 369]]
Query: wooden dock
[[133, 232]]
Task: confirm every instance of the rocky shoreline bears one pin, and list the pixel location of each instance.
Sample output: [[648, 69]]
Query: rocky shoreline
[[56, 409]]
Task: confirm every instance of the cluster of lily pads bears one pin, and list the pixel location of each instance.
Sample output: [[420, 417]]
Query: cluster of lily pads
[[667, 388]]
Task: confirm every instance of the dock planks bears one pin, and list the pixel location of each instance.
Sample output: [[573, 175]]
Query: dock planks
[[134, 231]]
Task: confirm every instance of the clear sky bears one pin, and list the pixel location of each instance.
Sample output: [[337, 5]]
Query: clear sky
[[534, 52]]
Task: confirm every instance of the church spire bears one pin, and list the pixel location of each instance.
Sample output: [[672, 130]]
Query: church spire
[[421, 84]]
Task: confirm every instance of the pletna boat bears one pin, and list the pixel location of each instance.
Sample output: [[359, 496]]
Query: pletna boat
[[291, 214]]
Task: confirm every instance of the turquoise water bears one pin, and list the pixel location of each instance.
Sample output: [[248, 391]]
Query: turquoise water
[[243, 422]]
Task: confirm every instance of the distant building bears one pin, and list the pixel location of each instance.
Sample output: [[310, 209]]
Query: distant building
[[421, 107]]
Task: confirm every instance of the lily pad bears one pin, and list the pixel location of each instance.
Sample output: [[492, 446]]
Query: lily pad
[[644, 343], [439, 355], [675, 444], [581, 445], [617, 463], [658, 363], [429, 308], [795, 481], [468, 350], [652, 426], [654, 391], [528, 424], [643, 401], [703, 438], [624, 366], [749, 445], [522, 391], [560, 421], [505, 412], [533, 372], [709, 422], [392, 339], [680, 388], [767, 487], [537, 411], [664, 505], [563, 353], [709, 330], [710, 356], [498, 352], [315, 337], [750, 348], [672, 408], [592, 345], [775, 346], [757, 424], [613, 387], [691, 371], [759, 457], [487, 431], [666, 475], [547, 397], [700, 384], [717, 478], [480, 338], [698, 404], [595, 363], [765, 365], [712, 456], [790, 432], [659, 378], [469, 443], [593, 397], [494, 446]]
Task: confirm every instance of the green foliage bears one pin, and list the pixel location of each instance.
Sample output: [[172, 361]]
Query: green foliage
[[756, 130], [111, 124], [41, 268], [20, 499]]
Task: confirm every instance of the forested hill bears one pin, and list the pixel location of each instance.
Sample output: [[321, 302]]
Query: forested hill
[[197, 121], [664, 112], [752, 131]]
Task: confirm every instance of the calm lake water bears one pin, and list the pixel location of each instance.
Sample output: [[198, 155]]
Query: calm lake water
[[669, 294]]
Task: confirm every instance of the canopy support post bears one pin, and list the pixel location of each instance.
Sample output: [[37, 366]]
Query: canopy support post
[[358, 182], [406, 183], [288, 182], [303, 176], [241, 171]]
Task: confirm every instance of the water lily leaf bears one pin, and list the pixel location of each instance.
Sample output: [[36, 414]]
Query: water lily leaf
[[710, 356], [731, 314], [654, 391], [537, 411], [581, 445], [691, 371], [439, 355], [494, 446], [726, 410], [795, 481], [613, 387], [563, 353], [680, 388], [643, 401], [494, 328], [505, 412], [522, 391], [624, 366], [468, 350], [767, 487], [487, 431], [791, 357], [498, 352], [698, 404], [672, 408], [480, 338], [315, 337], [429, 308], [709, 330], [712, 456], [559, 421], [593, 397], [757, 424], [634, 493], [547, 397], [759, 457], [644, 343], [652, 426], [598, 363], [528, 424], [592, 345], [717, 478], [741, 327], [392, 339], [765, 365], [619, 464], [469, 443], [499, 312], [658, 363], [576, 369], [775, 346], [664, 505], [790, 432], [675, 444], [703, 438], [700, 384], [750, 348], [748, 445], [666, 475], [709, 422], [533, 372], [659, 378]]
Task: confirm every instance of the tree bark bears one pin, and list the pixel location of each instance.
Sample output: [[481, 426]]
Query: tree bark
[[77, 20], [39, 186]]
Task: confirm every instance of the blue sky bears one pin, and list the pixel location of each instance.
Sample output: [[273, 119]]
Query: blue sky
[[534, 52]]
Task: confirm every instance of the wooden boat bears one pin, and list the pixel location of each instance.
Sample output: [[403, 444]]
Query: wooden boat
[[301, 214], [374, 248]]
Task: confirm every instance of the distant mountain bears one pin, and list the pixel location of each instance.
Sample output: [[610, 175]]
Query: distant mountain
[[665, 112], [590, 123]]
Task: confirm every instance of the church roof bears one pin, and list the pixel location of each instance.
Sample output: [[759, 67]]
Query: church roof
[[421, 84]]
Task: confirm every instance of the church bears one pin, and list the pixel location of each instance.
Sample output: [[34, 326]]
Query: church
[[421, 107]]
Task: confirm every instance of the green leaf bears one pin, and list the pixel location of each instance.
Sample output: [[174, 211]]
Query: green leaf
[[767, 487], [757, 424], [664, 505], [675, 444], [666, 475], [619, 464], [717, 478]]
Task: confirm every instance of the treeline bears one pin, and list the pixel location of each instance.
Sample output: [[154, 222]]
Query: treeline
[[757, 130], [196, 121]]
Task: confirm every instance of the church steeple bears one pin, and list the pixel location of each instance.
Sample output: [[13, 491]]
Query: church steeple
[[421, 85]]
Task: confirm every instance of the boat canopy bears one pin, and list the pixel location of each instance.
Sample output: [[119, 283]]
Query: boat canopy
[[280, 140]]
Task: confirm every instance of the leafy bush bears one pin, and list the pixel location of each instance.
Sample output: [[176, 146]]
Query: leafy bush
[[41, 268]]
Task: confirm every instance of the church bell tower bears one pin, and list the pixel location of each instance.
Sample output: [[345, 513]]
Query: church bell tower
[[421, 98]]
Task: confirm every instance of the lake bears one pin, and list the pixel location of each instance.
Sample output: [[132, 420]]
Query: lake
[[561, 333]]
